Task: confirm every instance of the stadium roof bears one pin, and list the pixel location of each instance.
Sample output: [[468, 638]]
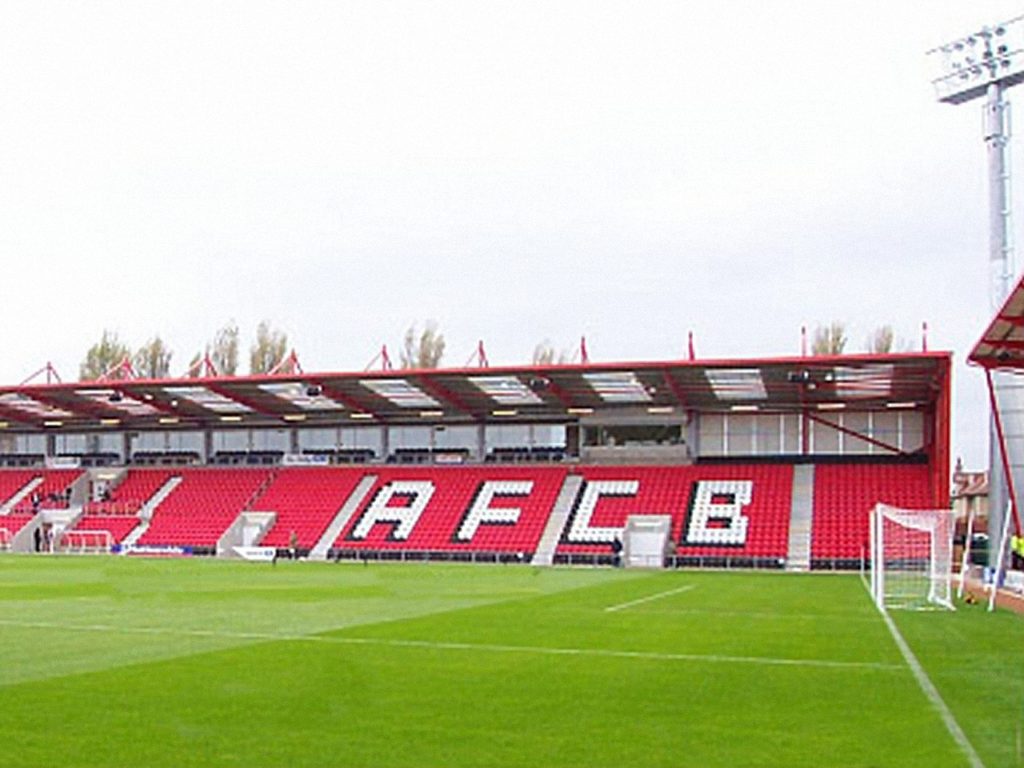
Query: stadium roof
[[1002, 343], [475, 395]]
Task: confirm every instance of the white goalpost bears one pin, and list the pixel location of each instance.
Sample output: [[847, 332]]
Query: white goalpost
[[85, 542], [911, 558]]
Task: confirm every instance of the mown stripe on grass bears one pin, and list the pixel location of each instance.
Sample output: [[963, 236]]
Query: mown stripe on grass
[[449, 646]]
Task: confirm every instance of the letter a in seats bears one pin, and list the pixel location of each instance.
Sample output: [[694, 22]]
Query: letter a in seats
[[402, 516]]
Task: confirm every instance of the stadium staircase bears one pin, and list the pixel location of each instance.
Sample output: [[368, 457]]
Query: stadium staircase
[[545, 553], [19, 495], [337, 525], [798, 556], [146, 511]]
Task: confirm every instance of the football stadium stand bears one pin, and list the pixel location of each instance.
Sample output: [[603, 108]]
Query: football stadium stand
[[305, 501], [201, 508], [751, 463], [845, 494]]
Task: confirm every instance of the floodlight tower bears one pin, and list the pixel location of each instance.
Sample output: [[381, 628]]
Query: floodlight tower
[[985, 64]]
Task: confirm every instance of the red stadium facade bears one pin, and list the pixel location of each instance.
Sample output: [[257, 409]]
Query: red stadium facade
[[757, 462]]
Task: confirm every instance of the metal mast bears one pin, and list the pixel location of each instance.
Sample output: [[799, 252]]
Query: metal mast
[[984, 64]]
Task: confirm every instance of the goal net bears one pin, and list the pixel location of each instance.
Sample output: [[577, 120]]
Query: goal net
[[911, 558], [85, 542]]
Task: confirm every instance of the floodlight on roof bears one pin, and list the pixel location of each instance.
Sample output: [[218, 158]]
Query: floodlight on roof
[[307, 397]]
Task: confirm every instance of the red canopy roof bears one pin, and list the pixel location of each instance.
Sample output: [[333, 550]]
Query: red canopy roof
[[1002, 343], [475, 395]]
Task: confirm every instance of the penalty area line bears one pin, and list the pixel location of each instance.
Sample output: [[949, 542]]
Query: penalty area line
[[648, 599], [700, 658]]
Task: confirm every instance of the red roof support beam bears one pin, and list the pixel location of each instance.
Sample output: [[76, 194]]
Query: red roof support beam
[[856, 434], [674, 387], [80, 408], [1003, 454], [348, 401], [445, 394], [241, 400]]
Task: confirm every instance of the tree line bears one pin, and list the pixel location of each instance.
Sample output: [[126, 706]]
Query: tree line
[[112, 358]]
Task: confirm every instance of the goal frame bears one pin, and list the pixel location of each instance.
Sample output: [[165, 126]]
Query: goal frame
[[934, 574], [86, 542]]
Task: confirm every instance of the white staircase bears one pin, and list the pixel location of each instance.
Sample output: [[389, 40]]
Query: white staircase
[[801, 518], [545, 554], [146, 512], [320, 549], [11, 503]]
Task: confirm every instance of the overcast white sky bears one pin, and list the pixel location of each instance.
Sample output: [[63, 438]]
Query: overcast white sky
[[517, 171]]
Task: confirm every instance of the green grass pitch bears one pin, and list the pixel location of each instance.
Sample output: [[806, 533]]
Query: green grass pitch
[[117, 661]]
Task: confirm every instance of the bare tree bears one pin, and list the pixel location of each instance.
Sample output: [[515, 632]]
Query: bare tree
[[195, 366], [103, 356], [830, 339], [423, 350], [268, 350], [153, 360], [544, 354], [881, 341], [224, 350]]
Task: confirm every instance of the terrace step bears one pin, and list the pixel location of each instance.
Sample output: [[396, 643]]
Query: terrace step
[[801, 519], [147, 509], [11, 503], [545, 553], [349, 508]]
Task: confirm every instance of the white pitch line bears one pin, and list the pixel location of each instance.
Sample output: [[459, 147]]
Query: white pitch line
[[932, 693], [649, 598], [447, 646]]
